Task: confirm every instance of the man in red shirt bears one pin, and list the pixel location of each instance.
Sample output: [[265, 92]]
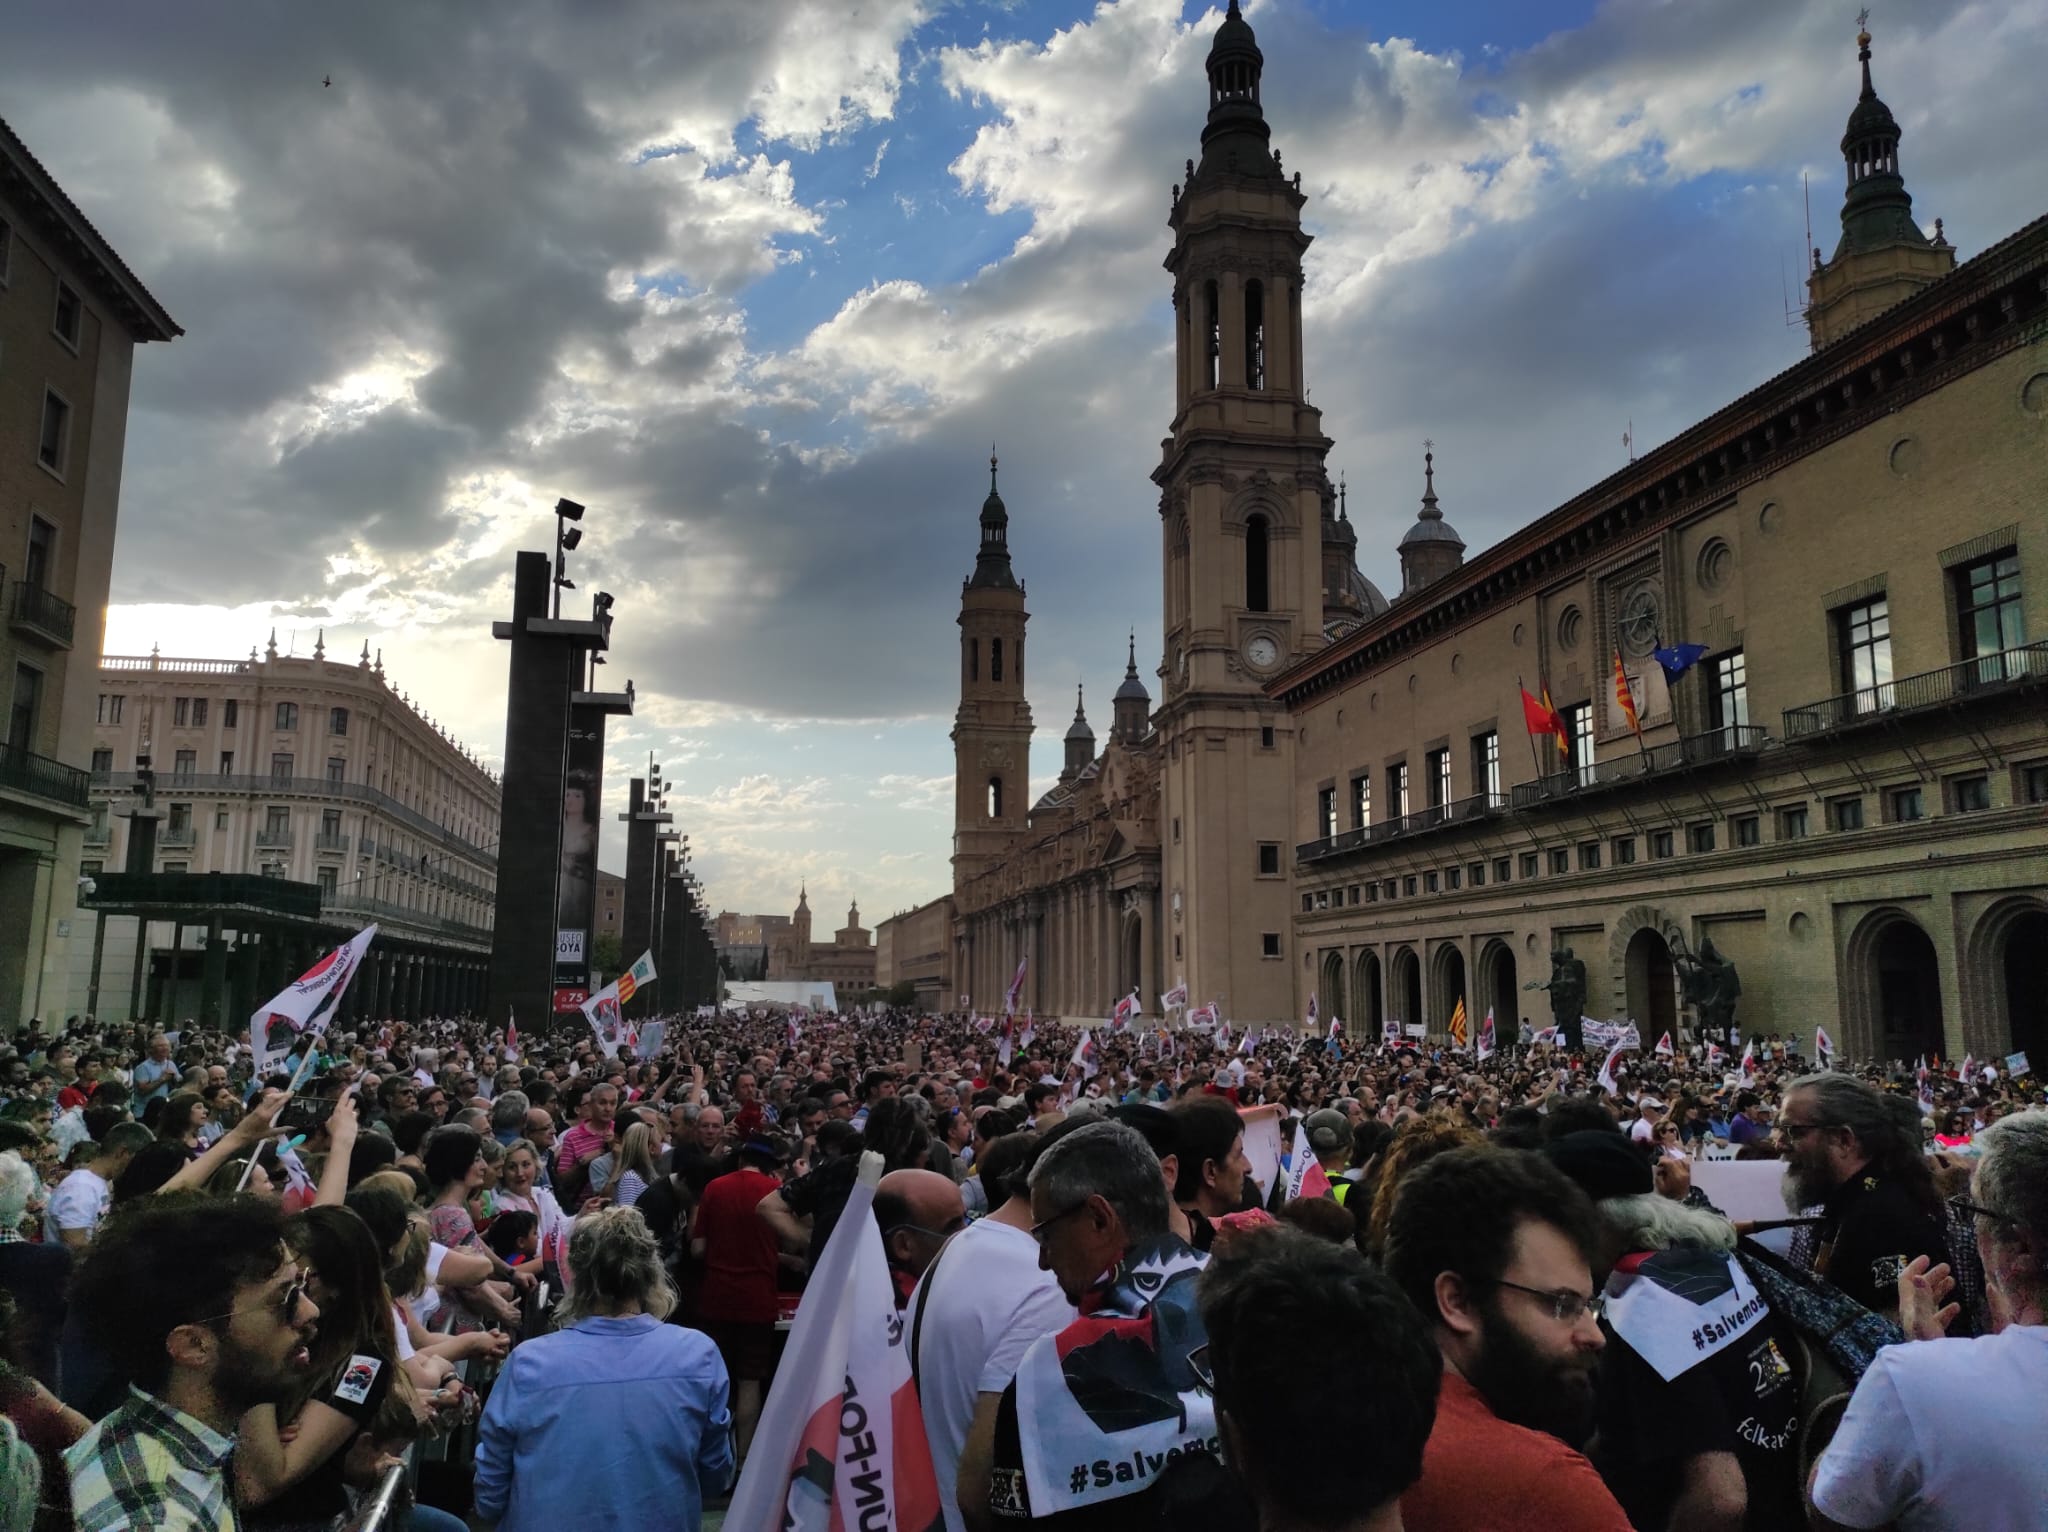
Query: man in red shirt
[[591, 1136], [80, 1091], [740, 1258], [1496, 1248]]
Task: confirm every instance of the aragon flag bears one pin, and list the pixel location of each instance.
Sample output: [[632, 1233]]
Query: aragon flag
[[841, 1443]]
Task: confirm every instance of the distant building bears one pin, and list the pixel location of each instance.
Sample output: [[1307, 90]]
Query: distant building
[[916, 947], [300, 770], [611, 907], [71, 315], [779, 947]]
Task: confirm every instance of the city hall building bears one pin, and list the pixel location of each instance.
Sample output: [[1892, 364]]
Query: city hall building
[[1845, 791]]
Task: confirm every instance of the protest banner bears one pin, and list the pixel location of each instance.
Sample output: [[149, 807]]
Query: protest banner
[[305, 1006]]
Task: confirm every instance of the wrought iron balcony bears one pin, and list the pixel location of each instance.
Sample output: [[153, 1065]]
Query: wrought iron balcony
[[43, 614], [1735, 742], [1438, 817], [1988, 675], [181, 837], [26, 772], [326, 842], [274, 840]]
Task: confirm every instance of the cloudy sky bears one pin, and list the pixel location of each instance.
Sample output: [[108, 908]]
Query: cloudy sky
[[761, 280]]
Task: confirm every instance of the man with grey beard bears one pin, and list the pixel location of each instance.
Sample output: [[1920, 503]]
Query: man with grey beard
[[1854, 1152]]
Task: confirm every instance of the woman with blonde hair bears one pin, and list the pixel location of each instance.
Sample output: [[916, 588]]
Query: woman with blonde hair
[[615, 1386], [633, 1171], [1416, 1140]]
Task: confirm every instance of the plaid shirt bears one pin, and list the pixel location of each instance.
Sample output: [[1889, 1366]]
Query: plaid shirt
[[150, 1465]]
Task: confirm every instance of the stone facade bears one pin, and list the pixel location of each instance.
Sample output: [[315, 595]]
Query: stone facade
[[1337, 797], [916, 947], [71, 316], [780, 948]]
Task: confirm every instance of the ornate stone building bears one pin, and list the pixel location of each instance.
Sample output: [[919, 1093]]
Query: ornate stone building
[[783, 944], [1847, 794], [1844, 794]]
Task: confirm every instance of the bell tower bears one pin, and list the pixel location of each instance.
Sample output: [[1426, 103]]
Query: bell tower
[[992, 726], [1243, 491]]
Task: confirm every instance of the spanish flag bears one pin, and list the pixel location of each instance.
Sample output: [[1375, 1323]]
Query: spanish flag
[[1458, 1026], [1624, 697]]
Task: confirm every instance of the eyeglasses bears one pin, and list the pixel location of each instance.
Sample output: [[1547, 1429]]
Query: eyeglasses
[[1198, 1364], [286, 1309], [1792, 1130], [1039, 1229], [1566, 1306], [1978, 1210]]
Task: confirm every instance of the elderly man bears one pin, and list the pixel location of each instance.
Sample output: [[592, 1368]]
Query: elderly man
[[1901, 1456], [1044, 1447], [156, 1074], [918, 1210]]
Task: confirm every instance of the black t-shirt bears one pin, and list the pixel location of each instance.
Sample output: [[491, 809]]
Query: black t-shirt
[[1195, 1494], [1742, 1399], [699, 1169], [820, 1195], [358, 1392], [1871, 1228]]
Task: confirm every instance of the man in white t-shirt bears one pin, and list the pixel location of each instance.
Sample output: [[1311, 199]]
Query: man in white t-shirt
[[1644, 1128], [1947, 1433], [975, 1312], [82, 1198]]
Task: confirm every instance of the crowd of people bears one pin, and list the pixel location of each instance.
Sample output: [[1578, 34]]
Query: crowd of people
[[551, 1287]]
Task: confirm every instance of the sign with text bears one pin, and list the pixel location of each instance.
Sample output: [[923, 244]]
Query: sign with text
[[569, 999]]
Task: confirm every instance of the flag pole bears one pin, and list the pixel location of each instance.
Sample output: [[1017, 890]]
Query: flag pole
[[1523, 691]]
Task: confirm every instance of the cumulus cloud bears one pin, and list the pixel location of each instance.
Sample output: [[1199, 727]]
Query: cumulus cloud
[[657, 264]]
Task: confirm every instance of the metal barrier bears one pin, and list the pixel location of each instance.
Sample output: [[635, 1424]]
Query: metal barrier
[[379, 1511]]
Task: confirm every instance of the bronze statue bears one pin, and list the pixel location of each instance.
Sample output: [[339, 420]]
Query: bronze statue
[[1711, 987], [1567, 986]]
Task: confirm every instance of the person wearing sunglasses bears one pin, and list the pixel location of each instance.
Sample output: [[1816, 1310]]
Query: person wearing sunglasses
[[1903, 1455], [1496, 1248], [199, 1302]]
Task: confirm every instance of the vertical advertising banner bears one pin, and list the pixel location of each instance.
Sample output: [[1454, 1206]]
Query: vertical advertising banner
[[576, 876]]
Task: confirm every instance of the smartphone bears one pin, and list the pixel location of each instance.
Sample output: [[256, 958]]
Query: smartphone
[[304, 1114]]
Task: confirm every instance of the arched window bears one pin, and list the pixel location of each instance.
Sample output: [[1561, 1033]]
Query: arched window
[[1212, 335], [1254, 335], [995, 659], [995, 797], [1257, 565]]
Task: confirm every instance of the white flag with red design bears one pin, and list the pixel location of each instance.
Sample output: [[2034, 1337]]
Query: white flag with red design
[[1310, 1020], [1016, 989], [1175, 998], [1487, 1048], [1085, 1055], [1305, 1175], [1125, 1009], [1748, 1062], [841, 1444], [1823, 1047], [1664, 1048], [1607, 1080], [305, 1006]]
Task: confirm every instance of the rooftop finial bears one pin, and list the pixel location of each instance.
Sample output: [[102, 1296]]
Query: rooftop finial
[[1343, 502], [1863, 48], [1131, 665], [320, 645], [991, 468], [1429, 507]]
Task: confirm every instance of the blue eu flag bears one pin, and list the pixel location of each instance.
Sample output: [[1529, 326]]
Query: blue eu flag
[[1678, 658]]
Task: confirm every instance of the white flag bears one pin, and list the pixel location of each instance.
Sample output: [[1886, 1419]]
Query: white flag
[[1084, 1054], [1824, 1049], [305, 1006], [1664, 1048], [651, 1035], [1175, 998], [1301, 1161], [1487, 1046], [601, 1010], [1607, 1082], [841, 1441], [1310, 1019]]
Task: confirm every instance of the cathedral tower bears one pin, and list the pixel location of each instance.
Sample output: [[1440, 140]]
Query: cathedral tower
[[1242, 497], [1883, 257], [992, 727]]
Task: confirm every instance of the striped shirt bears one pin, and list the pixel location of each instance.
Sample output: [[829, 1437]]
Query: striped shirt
[[151, 1465]]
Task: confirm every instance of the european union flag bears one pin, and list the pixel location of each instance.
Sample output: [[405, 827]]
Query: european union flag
[[1679, 658]]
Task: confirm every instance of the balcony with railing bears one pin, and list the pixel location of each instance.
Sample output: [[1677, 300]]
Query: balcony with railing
[[23, 771], [207, 784], [42, 613], [273, 840], [1691, 753], [177, 838], [334, 843], [384, 912], [1460, 811], [1987, 676]]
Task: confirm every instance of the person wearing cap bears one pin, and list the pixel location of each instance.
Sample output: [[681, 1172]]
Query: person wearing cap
[[1698, 1409], [1649, 1110], [1329, 1139]]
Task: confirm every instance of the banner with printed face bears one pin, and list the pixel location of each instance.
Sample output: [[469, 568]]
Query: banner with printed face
[[576, 865], [306, 1005]]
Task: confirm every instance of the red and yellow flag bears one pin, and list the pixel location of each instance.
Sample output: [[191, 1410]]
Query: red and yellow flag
[[1625, 697], [1564, 737], [1458, 1025]]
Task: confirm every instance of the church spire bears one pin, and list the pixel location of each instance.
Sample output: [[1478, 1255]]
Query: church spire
[[992, 564], [1432, 547], [1132, 706], [1236, 137], [1080, 741]]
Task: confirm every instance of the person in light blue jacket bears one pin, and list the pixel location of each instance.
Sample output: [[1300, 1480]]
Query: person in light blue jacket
[[618, 1422]]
